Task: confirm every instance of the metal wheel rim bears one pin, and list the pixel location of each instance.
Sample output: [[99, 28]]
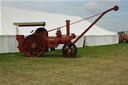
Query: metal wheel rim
[[69, 50], [31, 50]]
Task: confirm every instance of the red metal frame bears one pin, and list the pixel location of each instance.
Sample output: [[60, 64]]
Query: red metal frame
[[114, 8], [68, 27], [20, 39], [52, 42]]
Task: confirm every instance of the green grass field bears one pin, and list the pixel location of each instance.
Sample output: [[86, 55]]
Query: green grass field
[[101, 65]]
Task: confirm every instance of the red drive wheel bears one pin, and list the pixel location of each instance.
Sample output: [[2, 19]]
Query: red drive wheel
[[69, 50], [33, 46]]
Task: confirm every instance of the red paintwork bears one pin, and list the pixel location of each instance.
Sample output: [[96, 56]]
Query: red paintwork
[[68, 27], [20, 39], [33, 45], [53, 42], [114, 8]]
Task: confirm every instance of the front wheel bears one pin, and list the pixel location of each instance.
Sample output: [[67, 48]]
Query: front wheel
[[69, 50]]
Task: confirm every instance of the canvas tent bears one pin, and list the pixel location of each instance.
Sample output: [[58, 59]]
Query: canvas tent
[[95, 36]]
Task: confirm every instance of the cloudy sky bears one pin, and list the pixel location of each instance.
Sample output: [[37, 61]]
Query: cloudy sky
[[114, 21]]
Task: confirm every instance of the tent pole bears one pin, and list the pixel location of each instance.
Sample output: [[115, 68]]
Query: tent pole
[[17, 30]]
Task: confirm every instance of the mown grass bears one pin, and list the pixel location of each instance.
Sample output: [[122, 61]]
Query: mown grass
[[101, 65]]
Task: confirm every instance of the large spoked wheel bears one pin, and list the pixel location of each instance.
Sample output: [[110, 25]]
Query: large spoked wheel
[[69, 50], [33, 46], [41, 31]]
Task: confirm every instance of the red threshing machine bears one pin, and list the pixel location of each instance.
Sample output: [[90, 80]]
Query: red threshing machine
[[36, 44]]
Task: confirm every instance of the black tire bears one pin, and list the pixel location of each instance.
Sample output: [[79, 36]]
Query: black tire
[[41, 31]]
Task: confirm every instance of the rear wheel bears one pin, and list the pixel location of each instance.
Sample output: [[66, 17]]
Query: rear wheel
[[69, 50], [33, 46], [41, 31]]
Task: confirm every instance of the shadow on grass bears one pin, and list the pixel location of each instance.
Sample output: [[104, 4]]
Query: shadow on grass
[[56, 54], [52, 54], [49, 54]]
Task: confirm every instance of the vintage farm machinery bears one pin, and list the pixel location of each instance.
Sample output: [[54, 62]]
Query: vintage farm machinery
[[36, 44], [123, 37]]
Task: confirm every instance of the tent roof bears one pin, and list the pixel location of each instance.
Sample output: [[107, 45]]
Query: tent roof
[[11, 15]]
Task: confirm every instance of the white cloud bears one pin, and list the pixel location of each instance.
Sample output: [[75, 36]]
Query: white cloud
[[92, 6]]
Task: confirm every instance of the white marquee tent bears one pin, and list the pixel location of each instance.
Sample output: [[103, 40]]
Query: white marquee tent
[[94, 37]]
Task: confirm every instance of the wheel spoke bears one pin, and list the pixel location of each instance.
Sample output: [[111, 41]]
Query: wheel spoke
[[69, 50], [33, 46]]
